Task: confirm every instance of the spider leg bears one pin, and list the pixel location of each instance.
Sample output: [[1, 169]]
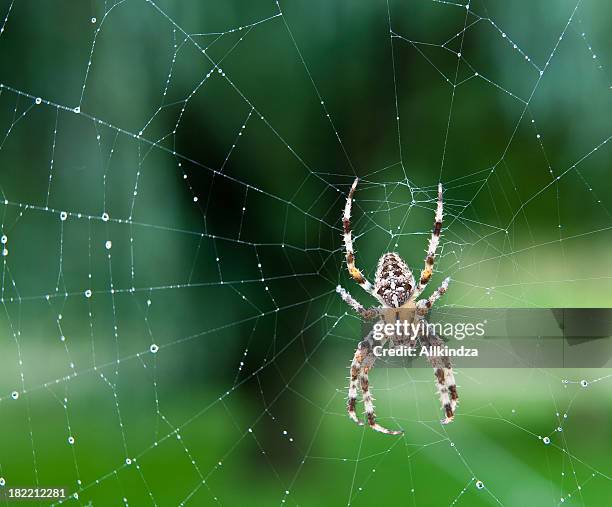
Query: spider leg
[[363, 353], [431, 250], [354, 383], [367, 314], [348, 242], [424, 305], [368, 402], [363, 361], [445, 378]]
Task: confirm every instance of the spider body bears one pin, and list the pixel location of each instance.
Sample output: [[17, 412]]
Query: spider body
[[394, 281], [395, 287]]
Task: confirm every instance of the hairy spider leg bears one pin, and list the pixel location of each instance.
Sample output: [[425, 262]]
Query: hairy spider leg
[[366, 313], [363, 361], [445, 378], [348, 242], [424, 305], [431, 250]]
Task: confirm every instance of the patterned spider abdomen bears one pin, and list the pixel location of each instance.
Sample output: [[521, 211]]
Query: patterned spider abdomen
[[394, 280]]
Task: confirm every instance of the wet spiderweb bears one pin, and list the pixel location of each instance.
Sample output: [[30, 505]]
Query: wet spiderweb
[[172, 182]]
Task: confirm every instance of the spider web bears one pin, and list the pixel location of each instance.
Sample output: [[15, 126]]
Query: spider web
[[172, 183]]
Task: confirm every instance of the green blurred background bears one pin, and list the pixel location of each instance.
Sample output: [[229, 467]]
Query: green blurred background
[[221, 139]]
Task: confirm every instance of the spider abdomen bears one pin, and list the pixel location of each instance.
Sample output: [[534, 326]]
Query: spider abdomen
[[394, 281]]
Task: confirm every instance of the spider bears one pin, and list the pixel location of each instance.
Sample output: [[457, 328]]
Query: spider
[[395, 287]]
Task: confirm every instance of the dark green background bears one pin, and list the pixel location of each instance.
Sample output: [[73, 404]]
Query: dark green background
[[514, 236]]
